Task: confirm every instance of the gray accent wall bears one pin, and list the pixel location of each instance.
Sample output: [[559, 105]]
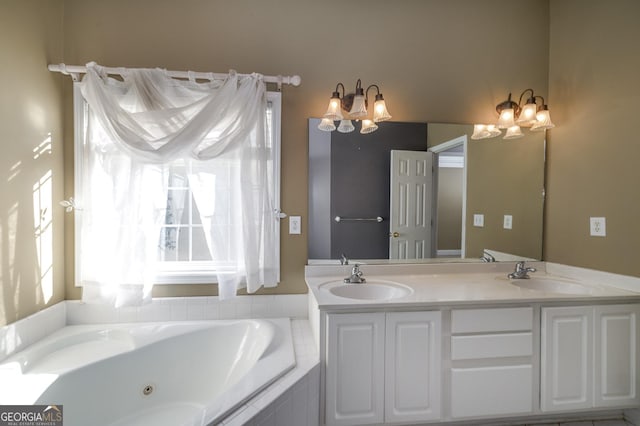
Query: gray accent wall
[[359, 172]]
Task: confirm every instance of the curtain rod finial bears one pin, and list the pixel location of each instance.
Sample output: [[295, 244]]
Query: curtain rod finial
[[295, 80]]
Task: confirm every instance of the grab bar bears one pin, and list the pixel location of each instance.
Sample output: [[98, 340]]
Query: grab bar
[[362, 219]]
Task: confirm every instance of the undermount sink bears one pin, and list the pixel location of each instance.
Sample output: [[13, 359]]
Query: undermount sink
[[552, 285], [370, 290]]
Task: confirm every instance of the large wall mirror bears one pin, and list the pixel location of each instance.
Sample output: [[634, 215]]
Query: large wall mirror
[[424, 192]]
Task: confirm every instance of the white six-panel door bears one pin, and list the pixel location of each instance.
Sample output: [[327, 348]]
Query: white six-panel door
[[411, 208]]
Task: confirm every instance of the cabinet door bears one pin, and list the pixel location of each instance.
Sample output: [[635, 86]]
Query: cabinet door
[[616, 356], [355, 369], [566, 358], [412, 366]]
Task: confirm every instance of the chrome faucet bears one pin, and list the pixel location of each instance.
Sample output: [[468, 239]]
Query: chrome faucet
[[521, 272], [487, 257], [344, 260], [356, 276]]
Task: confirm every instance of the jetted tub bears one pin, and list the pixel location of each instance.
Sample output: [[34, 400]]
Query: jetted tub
[[175, 373]]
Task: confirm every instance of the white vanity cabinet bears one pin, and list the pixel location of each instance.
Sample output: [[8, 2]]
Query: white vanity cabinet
[[491, 362], [382, 367], [589, 357]]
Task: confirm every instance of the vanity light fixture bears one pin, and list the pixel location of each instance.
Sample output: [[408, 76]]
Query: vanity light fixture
[[513, 116], [353, 106]]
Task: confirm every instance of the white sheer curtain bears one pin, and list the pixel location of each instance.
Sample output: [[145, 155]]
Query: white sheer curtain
[[138, 126]]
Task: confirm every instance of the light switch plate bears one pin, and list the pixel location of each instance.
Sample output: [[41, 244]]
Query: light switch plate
[[478, 220], [295, 225], [508, 221], [598, 227]]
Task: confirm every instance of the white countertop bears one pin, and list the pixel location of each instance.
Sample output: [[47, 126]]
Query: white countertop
[[473, 283]]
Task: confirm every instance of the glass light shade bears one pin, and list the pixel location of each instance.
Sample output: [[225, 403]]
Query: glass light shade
[[346, 126], [327, 125], [527, 115], [513, 132], [380, 112], [480, 132], [543, 121], [358, 109], [334, 111], [493, 130], [368, 126], [506, 119]]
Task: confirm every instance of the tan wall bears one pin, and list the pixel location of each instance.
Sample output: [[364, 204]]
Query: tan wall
[[435, 61], [504, 177], [449, 208], [594, 152], [31, 234]]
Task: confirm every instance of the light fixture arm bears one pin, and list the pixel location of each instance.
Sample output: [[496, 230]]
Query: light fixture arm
[[543, 106], [359, 90], [508, 104], [378, 95], [336, 93], [530, 100]]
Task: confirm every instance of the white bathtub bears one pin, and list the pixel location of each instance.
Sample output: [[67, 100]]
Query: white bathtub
[[176, 373]]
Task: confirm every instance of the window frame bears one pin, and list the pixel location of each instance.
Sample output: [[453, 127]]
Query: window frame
[[192, 272]]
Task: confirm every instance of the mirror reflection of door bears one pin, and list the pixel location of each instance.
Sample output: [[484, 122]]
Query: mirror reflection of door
[[412, 201]]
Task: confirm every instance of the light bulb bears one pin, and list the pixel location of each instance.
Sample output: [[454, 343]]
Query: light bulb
[[543, 121], [358, 109], [327, 125], [368, 126], [513, 132], [527, 115], [479, 132], [346, 126], [380, 112], [506, 119], [334, 111]]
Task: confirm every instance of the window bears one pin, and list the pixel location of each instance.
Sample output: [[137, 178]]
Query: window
[[183, 253]]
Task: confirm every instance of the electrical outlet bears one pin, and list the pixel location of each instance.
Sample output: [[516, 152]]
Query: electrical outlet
[[508, 221], [598, 226], [295, 226], [478, 220]]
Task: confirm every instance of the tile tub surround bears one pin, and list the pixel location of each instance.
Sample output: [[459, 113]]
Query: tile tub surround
[[20, 334], [289, 400], [191, 309]]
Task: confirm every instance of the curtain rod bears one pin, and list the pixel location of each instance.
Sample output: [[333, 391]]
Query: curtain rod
[[74, 70]]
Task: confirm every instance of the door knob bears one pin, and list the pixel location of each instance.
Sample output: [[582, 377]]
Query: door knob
[[394, 234]]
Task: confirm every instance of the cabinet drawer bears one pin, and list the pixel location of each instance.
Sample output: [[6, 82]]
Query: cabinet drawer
[[491, 320], [491, 346], [491, 391]]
